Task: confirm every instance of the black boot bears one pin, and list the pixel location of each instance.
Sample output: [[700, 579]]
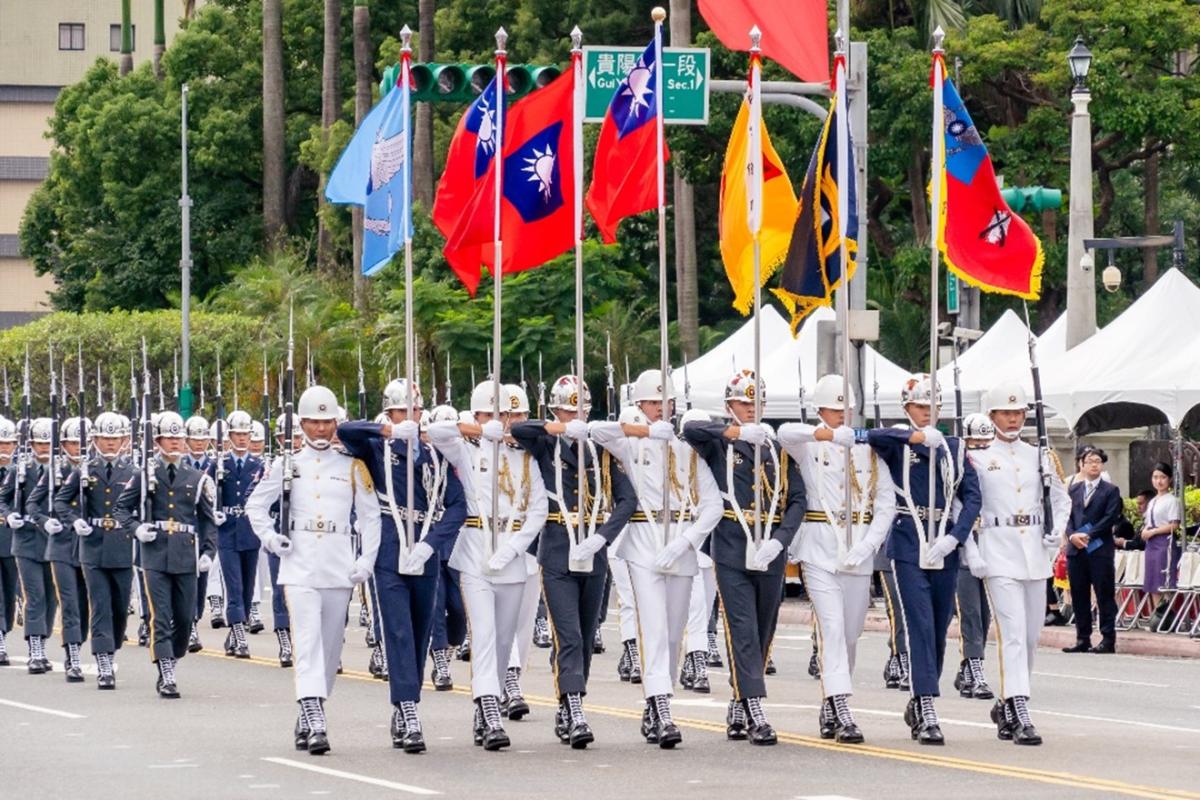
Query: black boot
[[964, 681], [759, 730], [71, 666], [301, 732], [541, 633], [1002, 717], [700, 684], [494, 735], [579, 733], [440, 675], [668, 732], [241, 649], [477, 725], [905, 673], [562, 722], [649, 723], [687, 673], [216, 613], [516, 707], [597, 642], [397, 727], [891, 672], [624, 664], [3, 651], [105, 678], [735, 721], [826, 722], [314, 714], [378, 663], [413, 741], [364, 616], [714, 653], [635, 662], [1023, 731], [254, 620], [285, 647], [770, 668], [979, 685], [194, 643], [847, 732], [928, 731], [143, 638], [464, 650], [166, 679], [814, 664]]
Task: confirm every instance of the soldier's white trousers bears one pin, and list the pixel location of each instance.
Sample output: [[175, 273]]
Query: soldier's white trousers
[[216, 582], [318, 631], [262, 574], [527, 616], [839, 603], [1018, 609], [493, 611], [661, 602], [704, 591], [626, 614]]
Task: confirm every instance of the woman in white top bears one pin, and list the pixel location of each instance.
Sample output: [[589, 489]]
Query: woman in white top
[[1159, 524]]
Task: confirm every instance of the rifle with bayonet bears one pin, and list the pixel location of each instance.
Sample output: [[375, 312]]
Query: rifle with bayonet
[[219, 442], [22, 460], [266, 413], [449, 386], [83, 438], [149, 479], [285, 496], [541, 387], [52, 466], [362, 387]]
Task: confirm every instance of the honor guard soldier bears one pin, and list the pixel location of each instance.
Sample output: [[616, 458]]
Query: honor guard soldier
[[29, 548], [318, 567], [177, 539], [62, 549], [835, 557], [974, 611], [258, 439], [236, 543], [196, 431], [571, 544], [88, 510], [1014, 551], [629, 665], [10, 582], [761, 514], [281, 619], [406, 571], [924, 551], [661, 569], [489, 552], [699, 638]]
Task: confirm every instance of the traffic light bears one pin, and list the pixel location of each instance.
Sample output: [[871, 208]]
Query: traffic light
[[1032, 198], [462, 83]]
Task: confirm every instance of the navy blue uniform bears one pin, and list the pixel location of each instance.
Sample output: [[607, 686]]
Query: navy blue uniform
[[236, 542], [208, 466], [926, 595], [449, 613], [406, 602]]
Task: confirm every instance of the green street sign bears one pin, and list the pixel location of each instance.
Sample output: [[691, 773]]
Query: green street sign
[[685, 73], [951, 293]]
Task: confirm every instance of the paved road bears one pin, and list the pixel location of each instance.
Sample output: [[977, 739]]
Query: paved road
[[1116, 726]]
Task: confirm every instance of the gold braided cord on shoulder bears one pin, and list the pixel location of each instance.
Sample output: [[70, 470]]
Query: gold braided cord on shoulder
[[1057, 462], [360, 470]]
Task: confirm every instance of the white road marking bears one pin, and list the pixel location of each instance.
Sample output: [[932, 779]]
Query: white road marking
[[171, 766], [1102, 680], [54, 712], [824, 797], [263, 786], [351, 776], [1138, 723]]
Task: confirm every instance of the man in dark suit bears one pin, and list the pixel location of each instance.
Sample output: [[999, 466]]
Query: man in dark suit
[[1095, 509]]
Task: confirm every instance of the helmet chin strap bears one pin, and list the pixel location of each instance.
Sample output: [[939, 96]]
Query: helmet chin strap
[[1006, 436], [317, 444]]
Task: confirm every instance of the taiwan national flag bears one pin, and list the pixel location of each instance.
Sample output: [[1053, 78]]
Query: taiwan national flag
[[624, 174]]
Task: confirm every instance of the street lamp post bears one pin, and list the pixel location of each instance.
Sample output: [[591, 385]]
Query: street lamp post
[[1081, 288], [185, 262]]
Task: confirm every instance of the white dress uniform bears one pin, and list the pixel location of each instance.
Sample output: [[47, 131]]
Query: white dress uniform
[[704, 585], [1012, 552], [661, 599], [840, 592], [493, 599], [315, 574]]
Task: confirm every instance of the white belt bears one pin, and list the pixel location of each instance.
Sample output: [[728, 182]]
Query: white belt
[[320, 526]]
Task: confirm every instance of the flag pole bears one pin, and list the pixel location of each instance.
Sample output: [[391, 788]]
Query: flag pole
[[937, 150], [754, 198], [843, 293], [405, 103], [577, 159], [497, 268], [659, 15]]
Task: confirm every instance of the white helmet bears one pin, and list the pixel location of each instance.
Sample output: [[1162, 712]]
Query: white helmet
[[196, 427], [518, 398], [978, 426], [395, 395], [438, 414], [342, 415], [742, 386], [240, 422], [918, 391], [126, 425], [8, 430], [258, 432], [1005, 397], [381, 418], [828, 393], [650, 385], [40, 429], [483, 398], [317, 402], [169, 425], [694, 415], [281, 424], [467, 417], [218, 425], [564, 394], [631, 415], [70, 429], [109, 424]]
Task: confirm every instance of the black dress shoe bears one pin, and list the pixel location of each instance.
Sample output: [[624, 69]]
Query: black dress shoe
[[34, 666], [243, 651], [518, 709], [597, 642], [701, 685], [929, 734], [963, 680], [1108, 646], [495, 738], [1081, 646], [1055, 618], [770, 668], [580, 735], [318, 743], [413, 742], [668, 735], [849, 734], [1003, 726], [735, 721], [442, 681], [143, 636], [762, 734], [911, 717], [106, 682], [74, 674], [194, 643], [167, 691], [1026, 734]]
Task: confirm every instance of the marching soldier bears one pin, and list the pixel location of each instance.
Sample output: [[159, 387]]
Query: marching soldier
[[629, 665], [10, 582], [694, 674], [489, 552], [281, 619], [177, 539], [258, 439], [237, 545], [196, 431], [974, 612], [29, 548], [1013, 553], [62, 549], [406, 574], [662, 572], [105, 545], [836, 559], [318, 568], [749, 570], [924, 551], [897, 669], [571, 544]]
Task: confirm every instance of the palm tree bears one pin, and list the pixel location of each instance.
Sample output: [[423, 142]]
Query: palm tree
[[423, 131], [126, 38], [362, 105], [273, 124], [160, 38], [329, 110]]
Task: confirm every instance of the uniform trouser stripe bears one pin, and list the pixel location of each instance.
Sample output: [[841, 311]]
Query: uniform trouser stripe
[[171, 596], [72, 600], [750, 604], [572, 608], [897, 635]]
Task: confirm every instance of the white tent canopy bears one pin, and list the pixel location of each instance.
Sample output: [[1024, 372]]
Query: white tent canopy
[[1005, 344]]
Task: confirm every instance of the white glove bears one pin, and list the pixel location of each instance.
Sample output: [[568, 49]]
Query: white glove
[[767, 429], [1051, 540], [751, 432], [588, 547], [82, 527], [667, 557], [978, 567], [501, 558], [219, 517], [205, 563], [662, 431], [417, 557], [52, 526], [575, 430], [279, 544], [493, 430], [942, 546], [859, 553], [145, 533], [406, 431], [843, 436], [933, 438], [359, 574], [15, 520], [767, 553]]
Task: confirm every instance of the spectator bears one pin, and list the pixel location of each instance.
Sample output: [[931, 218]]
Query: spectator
[[1095, 509], [1159, 522], [1124, 536]]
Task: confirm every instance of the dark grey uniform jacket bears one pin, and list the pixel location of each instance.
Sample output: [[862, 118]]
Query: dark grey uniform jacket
[[182, 513]]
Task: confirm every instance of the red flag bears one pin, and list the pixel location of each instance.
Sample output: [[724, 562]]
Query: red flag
[[624, 175], [795, 33]]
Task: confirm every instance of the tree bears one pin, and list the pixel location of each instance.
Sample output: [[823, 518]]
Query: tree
[[273, 153], [423, 128], [126, 38], [329, 113], [160, 38], [362, 105]]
